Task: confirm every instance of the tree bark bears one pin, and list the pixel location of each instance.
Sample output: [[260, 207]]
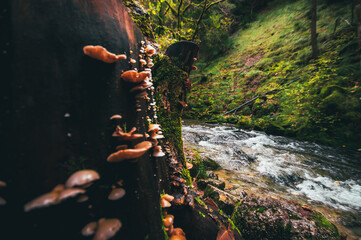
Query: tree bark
[[358, 16], [56, 120], [315, 51]]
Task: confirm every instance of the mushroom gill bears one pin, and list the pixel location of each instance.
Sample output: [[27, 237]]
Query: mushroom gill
[[144, 85], [133, 76], [81, 177], [70, 192], [139, 150], [107, 228], [126, 136], [102, 54]]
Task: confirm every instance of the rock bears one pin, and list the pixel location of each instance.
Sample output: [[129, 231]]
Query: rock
[[202, 183]]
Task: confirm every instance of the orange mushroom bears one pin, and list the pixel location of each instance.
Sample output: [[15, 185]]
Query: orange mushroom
[[168, 197], [2, 184], [100, 53], [107, 228], [116, 194], [89, 229], [133, 76], [157, 151], [164, 203], [117, 116], [81, 177], [144, 85], [139, 150], [126, 136], [149, 50], [168, 220]]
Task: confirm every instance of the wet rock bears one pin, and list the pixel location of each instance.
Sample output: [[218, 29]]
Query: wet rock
[[202, 183]]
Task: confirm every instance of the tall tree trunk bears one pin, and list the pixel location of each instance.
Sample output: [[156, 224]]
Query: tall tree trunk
[[358, 16], [315, 51], [57, 120]]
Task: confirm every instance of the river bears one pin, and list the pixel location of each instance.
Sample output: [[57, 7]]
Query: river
[[325, 178]]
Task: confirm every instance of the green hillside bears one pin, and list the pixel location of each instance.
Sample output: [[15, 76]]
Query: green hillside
[[317, 100]]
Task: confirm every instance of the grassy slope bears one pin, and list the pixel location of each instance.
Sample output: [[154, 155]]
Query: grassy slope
[[323, 105]]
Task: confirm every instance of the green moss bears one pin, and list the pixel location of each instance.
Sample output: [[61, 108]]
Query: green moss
[[168, 80], [322, 222], [76, 163], [141, 20]]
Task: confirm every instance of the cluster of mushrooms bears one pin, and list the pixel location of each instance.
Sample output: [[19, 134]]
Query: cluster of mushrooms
[[76, 184], [2, 200]]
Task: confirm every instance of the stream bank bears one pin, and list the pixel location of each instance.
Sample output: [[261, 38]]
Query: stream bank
[[319, 177]]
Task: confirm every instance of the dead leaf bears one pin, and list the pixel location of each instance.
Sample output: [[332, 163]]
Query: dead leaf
[[225, 234]]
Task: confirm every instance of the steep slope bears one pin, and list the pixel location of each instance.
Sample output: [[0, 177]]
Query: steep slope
[[297, 96]]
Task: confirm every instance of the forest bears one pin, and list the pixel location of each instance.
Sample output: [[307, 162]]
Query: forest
[[180, 119]]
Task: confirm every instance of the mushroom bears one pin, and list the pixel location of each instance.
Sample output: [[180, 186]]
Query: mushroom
[[142, 62], [116, 194], [139, 150], [133, 60], [126, 136], [177, 237], [121, 147], [168, 197], [178, 232], [194, 68], [81, 177], [168, 220], [189, 165], [43, 201], [2, 201], [157, 151], [2, 184], [164, 203], [89, 229], [154, 135], [169, 230], [142, 95], [144, 85], [149, 50], [70, 192], [133, 76], [100, 53], [183, 104], [153, 127], [82, 198], [117, 116], [107, 228]]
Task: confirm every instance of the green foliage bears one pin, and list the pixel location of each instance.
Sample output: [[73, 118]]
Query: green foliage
[[298, 96]]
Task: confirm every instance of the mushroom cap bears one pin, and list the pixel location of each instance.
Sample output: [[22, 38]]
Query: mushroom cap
[[116, 116], [126, 136], [177, 237], [100, 53], [70, 192], [139, 150], [89, 229], [142, 61], [145, 144], [82, 198], [168, 220], [189, 165], [154, 135], [116, 193], [44, 200], [168, 197], [153, 127], [81, 177], [107, 228], [141, 87], [164, 203], [2, 184], [149, 50], [178, 232], [2, 201], [133, 76], [157, 151]]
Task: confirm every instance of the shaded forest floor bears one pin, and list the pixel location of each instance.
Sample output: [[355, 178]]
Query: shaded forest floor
[[317, 100]]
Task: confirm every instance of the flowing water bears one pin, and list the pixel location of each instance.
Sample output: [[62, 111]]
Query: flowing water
[[327, 179]]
